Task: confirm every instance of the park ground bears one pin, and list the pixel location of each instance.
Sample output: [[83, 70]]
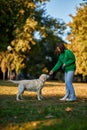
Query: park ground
[[50, 113]]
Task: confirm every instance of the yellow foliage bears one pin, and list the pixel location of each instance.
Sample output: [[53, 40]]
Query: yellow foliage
[[78, 39], [29, 4], [21, 11], [45, 70]]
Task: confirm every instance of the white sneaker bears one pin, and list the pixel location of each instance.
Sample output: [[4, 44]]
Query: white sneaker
[[71, 100], [62, 99]]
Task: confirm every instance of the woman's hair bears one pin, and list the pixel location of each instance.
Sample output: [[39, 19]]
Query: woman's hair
[[61, 46]]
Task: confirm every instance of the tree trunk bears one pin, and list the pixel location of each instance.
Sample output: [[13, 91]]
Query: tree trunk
[[4, 76]]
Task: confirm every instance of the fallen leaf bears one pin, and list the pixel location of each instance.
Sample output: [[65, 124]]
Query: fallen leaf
[[68, 109]]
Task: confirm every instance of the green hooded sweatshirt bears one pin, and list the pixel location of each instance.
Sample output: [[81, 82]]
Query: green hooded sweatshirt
[[67, 58]]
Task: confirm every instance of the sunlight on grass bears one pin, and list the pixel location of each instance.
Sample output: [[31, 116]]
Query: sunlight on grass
[[33, 125]]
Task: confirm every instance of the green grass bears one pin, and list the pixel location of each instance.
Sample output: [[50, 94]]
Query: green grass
[[48, 114]]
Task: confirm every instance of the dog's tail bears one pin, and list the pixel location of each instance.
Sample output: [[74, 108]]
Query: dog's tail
[[13, 81]]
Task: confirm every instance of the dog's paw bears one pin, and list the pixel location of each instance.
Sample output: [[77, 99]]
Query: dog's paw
[[39, 99], [19, 100]]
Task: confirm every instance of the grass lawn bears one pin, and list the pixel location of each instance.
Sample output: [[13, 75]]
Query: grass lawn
[[48, 114]]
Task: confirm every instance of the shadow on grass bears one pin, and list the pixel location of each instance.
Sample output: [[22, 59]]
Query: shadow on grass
[[49, 113]]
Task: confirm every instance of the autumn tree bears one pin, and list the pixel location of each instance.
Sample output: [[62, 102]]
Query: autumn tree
[[78, 38], [20, 21]]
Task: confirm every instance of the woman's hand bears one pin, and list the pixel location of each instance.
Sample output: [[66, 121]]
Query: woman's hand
[[51, 72], [63, 66]]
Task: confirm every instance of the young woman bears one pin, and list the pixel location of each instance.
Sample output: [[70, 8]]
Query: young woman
[[66, 60]]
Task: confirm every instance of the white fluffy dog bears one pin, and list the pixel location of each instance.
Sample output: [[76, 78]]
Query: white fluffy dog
[[35, 85]]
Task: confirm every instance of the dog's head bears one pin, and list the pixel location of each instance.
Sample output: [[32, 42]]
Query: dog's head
[[44, 77]]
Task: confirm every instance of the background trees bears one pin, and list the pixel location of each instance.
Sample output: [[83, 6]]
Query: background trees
[[20, 21]]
